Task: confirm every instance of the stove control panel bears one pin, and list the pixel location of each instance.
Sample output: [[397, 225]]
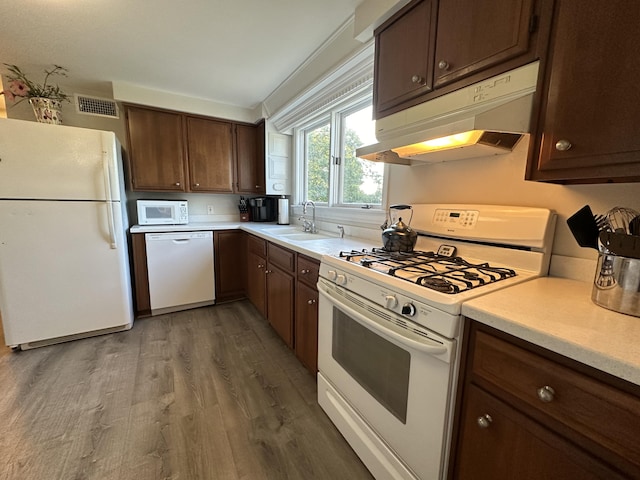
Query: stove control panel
[[458, 218]]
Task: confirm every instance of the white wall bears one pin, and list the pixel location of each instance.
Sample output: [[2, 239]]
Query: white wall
[[500, 180]]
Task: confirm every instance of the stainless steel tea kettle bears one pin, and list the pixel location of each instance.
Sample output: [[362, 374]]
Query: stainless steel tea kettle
[[398, 237]]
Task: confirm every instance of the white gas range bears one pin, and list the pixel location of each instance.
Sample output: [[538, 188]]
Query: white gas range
[[389, 327]]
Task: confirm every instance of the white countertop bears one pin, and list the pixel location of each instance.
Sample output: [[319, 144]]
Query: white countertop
[[324, 244], [558, 314]]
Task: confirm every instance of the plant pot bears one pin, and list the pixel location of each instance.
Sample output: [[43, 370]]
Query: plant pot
[[46, 110]]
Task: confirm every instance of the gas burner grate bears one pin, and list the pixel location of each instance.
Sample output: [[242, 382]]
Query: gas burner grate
[[449, 275]]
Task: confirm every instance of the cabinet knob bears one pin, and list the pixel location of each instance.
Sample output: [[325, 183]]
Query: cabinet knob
[[196, 184], [260, 265], [304, 271], [484, 421], [443, 65], [257, 187], [546, 394], [177, 184], [267, 271], [563, 145], [417, 79], [312, 301]]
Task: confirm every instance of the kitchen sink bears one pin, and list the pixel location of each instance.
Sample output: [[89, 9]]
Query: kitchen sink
[[304, 236], [295, 234]]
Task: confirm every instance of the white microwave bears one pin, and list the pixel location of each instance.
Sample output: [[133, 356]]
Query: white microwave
[[162, 212]]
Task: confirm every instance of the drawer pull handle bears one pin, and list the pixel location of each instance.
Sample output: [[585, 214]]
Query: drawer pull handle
[[546, 394], [304, 271], [311, 302], [485, 421]]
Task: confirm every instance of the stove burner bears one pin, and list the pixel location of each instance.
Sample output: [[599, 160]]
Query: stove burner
[[444, 274], [438, 284]]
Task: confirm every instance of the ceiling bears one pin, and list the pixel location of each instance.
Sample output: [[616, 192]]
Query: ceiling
[[229, 51]]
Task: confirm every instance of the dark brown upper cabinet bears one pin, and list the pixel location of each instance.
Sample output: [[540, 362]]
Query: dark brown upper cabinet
[[404, 56], [587, 128], [156, 150], [431, 48], [473, 36], [173, 151]]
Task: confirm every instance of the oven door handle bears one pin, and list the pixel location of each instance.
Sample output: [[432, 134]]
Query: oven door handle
[[433, 348]]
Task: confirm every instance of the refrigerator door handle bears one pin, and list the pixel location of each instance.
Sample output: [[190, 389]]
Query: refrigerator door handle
[[107, 186]]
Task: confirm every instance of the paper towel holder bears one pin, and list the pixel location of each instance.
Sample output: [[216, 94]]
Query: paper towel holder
[[283, 210]]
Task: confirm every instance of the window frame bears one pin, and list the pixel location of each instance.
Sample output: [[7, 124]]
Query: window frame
[[336, 115]]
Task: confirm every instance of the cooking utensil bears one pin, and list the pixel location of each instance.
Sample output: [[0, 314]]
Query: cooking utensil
[[619, 219], [584, 227], [601, 222], [621, 244], [399, 237], [634, 226]]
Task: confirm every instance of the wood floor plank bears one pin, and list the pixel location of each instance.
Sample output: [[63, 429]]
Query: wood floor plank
[[211, 393]]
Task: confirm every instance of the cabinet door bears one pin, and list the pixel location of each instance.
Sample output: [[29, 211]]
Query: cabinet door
[[210, 150], [306, 326], [404, 57], [156, 150], [140, 276], [249, 167], [474, 35], [499, 443], [230, 264], [280, 290], [588, 131], [256, 283]]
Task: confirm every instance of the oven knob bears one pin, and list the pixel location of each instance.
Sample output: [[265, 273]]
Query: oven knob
[[332, 275], [391, 301], [341, 279], [409, 309]]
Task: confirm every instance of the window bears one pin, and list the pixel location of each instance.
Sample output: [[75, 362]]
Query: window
[[332, 175]]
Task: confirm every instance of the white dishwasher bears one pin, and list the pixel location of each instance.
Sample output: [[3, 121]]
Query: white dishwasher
[[180, 268]]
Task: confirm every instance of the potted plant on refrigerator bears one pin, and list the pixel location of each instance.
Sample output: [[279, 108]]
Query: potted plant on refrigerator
[[45, 98]]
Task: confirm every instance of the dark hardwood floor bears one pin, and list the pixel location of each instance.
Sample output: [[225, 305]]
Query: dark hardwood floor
[[210, 393]]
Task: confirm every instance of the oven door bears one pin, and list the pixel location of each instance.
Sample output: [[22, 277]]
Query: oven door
[[385, 383]]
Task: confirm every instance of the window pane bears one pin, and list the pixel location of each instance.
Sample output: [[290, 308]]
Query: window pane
[[318, 155], [362, 179]]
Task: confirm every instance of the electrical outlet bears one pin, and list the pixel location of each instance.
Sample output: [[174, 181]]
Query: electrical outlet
[[209, 209]]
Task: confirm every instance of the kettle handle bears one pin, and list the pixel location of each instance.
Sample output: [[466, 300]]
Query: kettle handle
[[400, 206]]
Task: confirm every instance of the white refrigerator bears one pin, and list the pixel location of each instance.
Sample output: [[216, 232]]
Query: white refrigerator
[[64, 264]]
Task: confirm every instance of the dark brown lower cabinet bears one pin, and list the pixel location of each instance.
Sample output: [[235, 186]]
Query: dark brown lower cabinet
[[306, 327], [500, 443], [230, 264], [256, 283], [526, 413], [280, 288], [141, 300]]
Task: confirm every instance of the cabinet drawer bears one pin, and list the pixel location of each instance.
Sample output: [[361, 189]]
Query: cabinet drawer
[[308, 270], [595, 410], [257, 245], [501, 443], [285, 259]]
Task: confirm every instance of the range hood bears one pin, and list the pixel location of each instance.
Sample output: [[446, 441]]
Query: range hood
[[487, 118]]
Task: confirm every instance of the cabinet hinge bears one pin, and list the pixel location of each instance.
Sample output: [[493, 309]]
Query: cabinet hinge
[[533, 24], [336, 160]]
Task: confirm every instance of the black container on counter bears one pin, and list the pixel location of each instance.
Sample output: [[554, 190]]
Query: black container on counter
[[263, 209]]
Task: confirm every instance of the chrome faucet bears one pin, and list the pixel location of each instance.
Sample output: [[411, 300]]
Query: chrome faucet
[[309, 227], [341, 229]]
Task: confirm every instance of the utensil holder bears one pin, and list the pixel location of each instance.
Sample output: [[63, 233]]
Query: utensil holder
[[617, 284]]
